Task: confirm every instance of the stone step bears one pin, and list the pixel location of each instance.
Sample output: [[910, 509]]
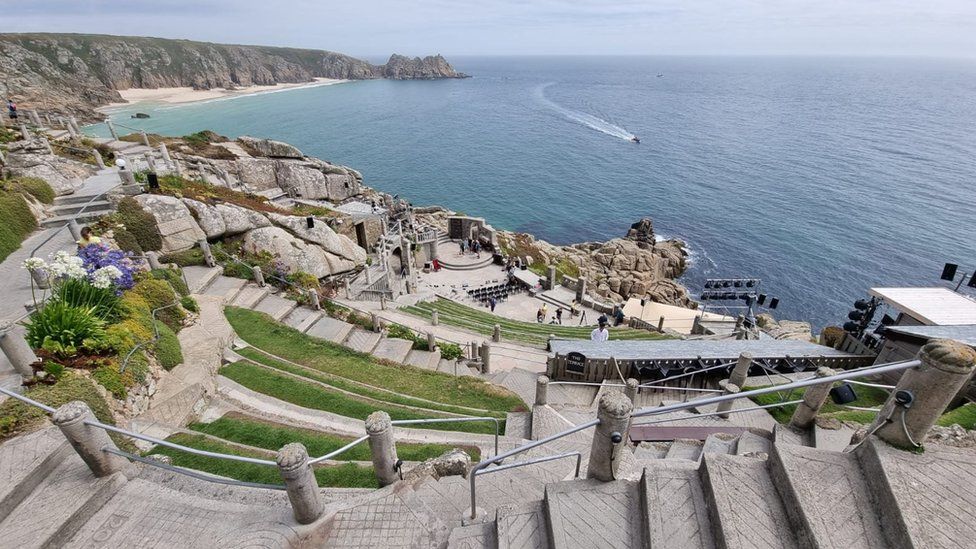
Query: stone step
[[250, 295], [198, 278], [478, 535], [594, 514], [826, 497], [392, 349], [745, 509], [646, 451], [26, 460], [473, 266], [518, 425], [361, 340], [446, 366], [522, 527], [423, 359], [674, 506], [275, 306], [685, 449], [330, 329], [225, 287], [73, 208], [832, 439], [302, 318], [82, 218], [720, 443], [752, 444], [784, 434], [521, 382], [58, 506]]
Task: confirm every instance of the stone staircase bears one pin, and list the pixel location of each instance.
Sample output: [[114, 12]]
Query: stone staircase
[[68, 207]]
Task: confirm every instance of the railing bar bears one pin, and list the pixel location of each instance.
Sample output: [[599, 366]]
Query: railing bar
[[193, 474], [27, 400], [730, 412], [534, 461], [451, 420], [334, 453], [866, 384], [187, 449]]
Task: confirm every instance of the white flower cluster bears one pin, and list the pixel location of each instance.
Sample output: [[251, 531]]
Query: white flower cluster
[[65, 265], [34, 264], [105, 277]]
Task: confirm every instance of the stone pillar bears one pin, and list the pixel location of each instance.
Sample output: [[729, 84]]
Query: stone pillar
[[552, 337], [434, 320], [34, 118], [435, 252], [258, 276], [496, 333], [17, 351], [725, 406], [208, 256], [145, 139], [605, 454], [541, 390], [551, 277], [696, 325], [813, 399], [313, 298], [150, 162], [369, 276], [178, 168], [486, 358], [75, 229], [382, 447], [383, 302], [73, 122], [153, 259], [374, 321], [24, 133], [474, 349], [660, 324], [580, 289], [741, 370], [47, 145], [303, 490], [127, 177], [111, 129], [98, 159], [630, 390], [431, 342], [946, 366], [88, 441], [165, 152]]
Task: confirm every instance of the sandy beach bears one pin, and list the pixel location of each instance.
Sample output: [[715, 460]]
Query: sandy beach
[[189, 95]]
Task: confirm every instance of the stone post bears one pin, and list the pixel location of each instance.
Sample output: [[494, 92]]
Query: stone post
[[946, 366], [551, 277], [431, 342], [98, 159], [303, 490], [382, 447], [145, 139], [73, 122], [660, 324], [178, 168], [496, 333], [88, 441], [552, 337], [374, 321], [111, 129], [314, 300], [150, 162], [47, 145], [41, 278], [127, 177], [35, 118], [630, 390], [369, 276], [16, 349], [24, 133], [383, 302], [696, 325], [475, 353], [258, 276], [580, 289], [165, 152], [813, 399], [605, 454], [72, 132], [541, 390], [741, 370], [725, 406], [208, 256], [486, 358], [434, 320], [75, 229], [153, 259]]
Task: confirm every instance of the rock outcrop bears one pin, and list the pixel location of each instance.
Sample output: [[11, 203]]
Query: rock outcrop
[[784, 329], [222, 220], [32, 159], [177, 226], [295, 253], [269, 148], [321, 235], [74, 73]]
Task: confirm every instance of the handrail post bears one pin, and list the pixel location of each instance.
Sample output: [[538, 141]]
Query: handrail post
[[258, 276], [382, 447], [813, 399], [725, 406], [431, 341], [314, 300], [98, 159], [145, 138], [88, 441], [17, 351], [165, 153], [946, 366], [434, 318], [303, 489], [741, 370], [630, 390], [609, 436], [153, 259], [208, 256], [496, 333], [486, 358], [111, 129], [541, 390]]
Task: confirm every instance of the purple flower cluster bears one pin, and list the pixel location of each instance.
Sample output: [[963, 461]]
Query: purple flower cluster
[[96, 256]]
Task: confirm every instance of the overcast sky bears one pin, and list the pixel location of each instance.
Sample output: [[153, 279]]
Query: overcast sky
[[455, 27]]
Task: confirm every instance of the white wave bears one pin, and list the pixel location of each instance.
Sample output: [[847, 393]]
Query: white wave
[[588, 120]]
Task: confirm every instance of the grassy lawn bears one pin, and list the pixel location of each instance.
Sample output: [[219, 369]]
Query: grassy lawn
[[867, 397], [261, 331], [347, 475], [272, 436], [964, 415], [346, 385], [483, 322], [295, 391]]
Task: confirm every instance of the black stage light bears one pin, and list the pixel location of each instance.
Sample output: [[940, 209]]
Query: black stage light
[[855, 315], [773, 303], [861, 304], [851, 327]]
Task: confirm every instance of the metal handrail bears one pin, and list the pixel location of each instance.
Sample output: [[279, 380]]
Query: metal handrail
[[74, 217], [534, 461], [193, 474], [685, 389], [587, 383], [27, 400], [155, 338], [334, 453], [866, 384], [451, 420], [730, 412]]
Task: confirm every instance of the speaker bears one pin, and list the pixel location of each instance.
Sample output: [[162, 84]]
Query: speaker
[[310, 222], [843, 394], [761, 299], [949, 271], [972, 280], [773, 303], [153, 180]]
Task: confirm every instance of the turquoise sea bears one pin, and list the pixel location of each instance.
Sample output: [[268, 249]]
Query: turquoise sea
[[822, 176]]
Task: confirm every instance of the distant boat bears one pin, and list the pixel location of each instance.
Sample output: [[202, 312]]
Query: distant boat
[[659, 75], [635, 139]]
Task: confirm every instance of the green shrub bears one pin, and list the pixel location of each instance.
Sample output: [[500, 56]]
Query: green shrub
[[450, 351], [54, 369], [108, 376], [402, 332], [158, 293], [187, 258], [175, 279], [140, 224], [168, 351], [18, 222], [127, 242], [62, 329], [190, 304], [36, 187], [78, 292]]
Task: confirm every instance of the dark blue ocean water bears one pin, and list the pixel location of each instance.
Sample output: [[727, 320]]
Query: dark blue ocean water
[[823, 177]]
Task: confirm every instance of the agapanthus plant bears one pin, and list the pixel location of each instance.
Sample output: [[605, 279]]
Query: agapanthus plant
[[106, 266]]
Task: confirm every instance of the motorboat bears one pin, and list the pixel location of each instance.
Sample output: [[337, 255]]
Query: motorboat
[[635, 139]]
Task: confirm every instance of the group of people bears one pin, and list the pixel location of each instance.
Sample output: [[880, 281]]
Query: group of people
[[470, 245], [543, 312]]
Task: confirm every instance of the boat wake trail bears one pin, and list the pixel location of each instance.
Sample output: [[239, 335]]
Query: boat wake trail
[[588, 120]]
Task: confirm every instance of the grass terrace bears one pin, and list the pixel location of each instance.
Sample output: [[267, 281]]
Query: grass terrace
[[261, 331], [462, 316], [867, 397]]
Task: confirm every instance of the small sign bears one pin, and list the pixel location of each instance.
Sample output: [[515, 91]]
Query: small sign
[[575, 362]]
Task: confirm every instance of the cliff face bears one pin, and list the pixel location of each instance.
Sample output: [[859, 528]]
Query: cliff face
[[75, 72]]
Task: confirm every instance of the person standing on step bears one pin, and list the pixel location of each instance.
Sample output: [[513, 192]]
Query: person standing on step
[[601, 332], [492, 302], [12, 109], [559, 316]]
